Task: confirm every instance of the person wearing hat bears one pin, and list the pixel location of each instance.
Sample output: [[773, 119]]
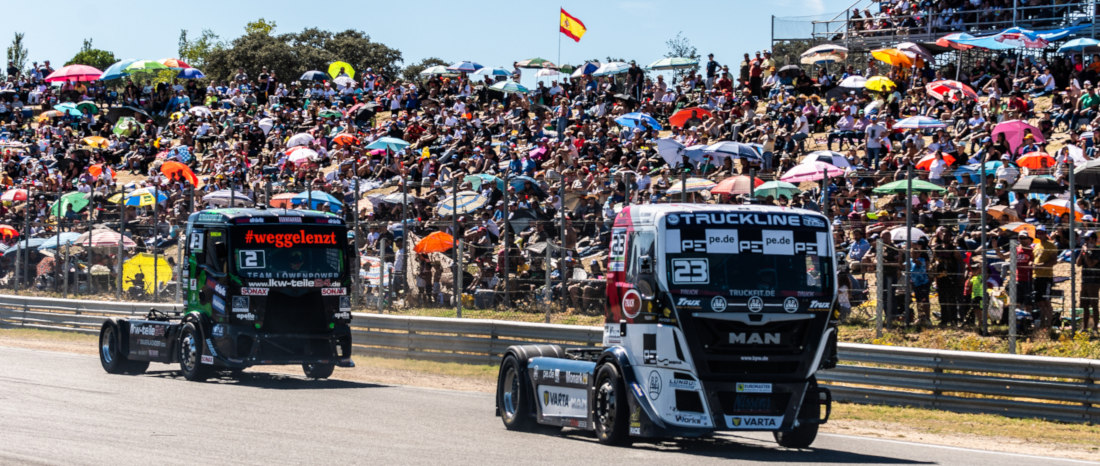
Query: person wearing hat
[[1046, 255], [1089, 261]]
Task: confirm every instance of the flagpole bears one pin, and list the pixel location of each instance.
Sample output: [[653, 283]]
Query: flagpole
[[558, 62]]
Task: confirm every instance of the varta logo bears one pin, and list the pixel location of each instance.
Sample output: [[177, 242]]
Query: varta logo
[[754, 338]]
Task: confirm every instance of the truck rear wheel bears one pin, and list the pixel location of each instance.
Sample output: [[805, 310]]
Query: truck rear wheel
[[190, 354], [611, 411], [318, 371], [803, 435], [514, 396], [110, 352]]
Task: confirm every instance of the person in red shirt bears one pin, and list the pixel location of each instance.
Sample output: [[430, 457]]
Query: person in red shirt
[[756, 72], [1024, 259]]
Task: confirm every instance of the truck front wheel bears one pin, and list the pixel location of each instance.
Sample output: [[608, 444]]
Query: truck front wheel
[[514, 396], [611, 410], [318, 371], [803, 435], [190, 354]]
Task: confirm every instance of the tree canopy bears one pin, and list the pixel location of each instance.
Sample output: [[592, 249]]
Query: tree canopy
[[412, 72], [291, 54], [195, 52], [17, 53], [92, 56]]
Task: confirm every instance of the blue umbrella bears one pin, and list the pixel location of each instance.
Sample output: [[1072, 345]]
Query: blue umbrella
[[115, 71], [968, 172], [317, 198], [467, 201], [919, 122], [585, 69], [190, 73], [1083, 44], [492, 72], [32, 243], [465, 67], [139, 199], [68, 107], [519, 182], [725, 149], [66, 239], [635, 120], [387, 142], [314, 75]]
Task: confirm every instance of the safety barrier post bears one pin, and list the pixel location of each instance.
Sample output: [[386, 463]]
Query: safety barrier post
[[1012, 297], [880, 290]]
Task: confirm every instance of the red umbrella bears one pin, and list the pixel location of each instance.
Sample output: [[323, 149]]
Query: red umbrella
[[97, 170], [949, 89], [681, 118], [345, 139], [8, 231], [282, 200], [174, 63], [173, 169], [925, 163], [13, 195], [1036, 160], [435, 242], [736, 185], [74, 73]]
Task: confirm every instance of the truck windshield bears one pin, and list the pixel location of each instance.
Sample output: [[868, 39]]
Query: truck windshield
[[289, 252], [748, 261]]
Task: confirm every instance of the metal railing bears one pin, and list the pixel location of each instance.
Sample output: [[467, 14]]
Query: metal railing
[[1062, 389]]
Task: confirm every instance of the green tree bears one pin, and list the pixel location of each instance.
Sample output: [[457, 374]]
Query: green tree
[[412, 72], [92, 56], [680, 46], [195, 52], [261, 26], [17, 53]]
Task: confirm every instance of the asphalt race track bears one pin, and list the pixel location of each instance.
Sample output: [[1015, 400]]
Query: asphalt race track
[[61, 408]]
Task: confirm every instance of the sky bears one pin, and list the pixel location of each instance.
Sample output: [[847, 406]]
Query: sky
[[491, 33]]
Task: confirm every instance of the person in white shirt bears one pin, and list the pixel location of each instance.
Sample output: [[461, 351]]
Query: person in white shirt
[[936, 169]]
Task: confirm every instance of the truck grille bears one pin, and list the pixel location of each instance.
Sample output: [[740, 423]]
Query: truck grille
[[284, 313], [724, 349]]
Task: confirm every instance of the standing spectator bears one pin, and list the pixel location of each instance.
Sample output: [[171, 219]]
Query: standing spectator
[[712, 70], [1089, 261], [1046, 255]]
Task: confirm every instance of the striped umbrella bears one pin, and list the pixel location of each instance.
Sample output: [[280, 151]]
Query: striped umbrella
[[693, 185], [13, 195], [925, 163], [919, 122], [174, 63], [813, 171], [145, 199], [104, 238], [465, 67], [468, 201], [509, 87], [950, 90]]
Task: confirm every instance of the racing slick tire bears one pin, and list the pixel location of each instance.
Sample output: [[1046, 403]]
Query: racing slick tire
[[318, 371], [611, 410], [191, 350], [803, 435], [514, 396], [110, 352]]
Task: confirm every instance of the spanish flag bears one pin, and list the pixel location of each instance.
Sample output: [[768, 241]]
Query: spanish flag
[[572, 27]]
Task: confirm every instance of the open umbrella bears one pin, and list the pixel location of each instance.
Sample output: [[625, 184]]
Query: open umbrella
[[914, 50], [97, 170], [673, 63], [65, 239], [30, 243], [201, 110], [776, 189], [300, 155], [1081, 44], [74, 73], [613, 68], [76, 199], [144, 65], [176, 170], [547, 73], [1087, 174], [1036, 160], [437, 70], [435, 242], [853, 82], [468, 201], [736, 185], [281, 200], [336, 67], [899, 187], [535, 63], [1020, 37], [465, 67], [88, 106], [950, 90], [148, 266], [1038, 184], [174, 63], [68, 108], [345, 139], [952, 41], [104, 238], [317, 198], [487, 71], [900, 234], [691, 185], [391, 143], [508, 87], [14, 195], [880, 84], [1003, 213], [1017, 227], [477, 180], [115, 71], [722, 150], [790, 68], [1059, 207], [925, 163], [585, 69], [892, 57], [681, 117], [145, 199], [835, 159], [190, 73], [300, 139], [225, 197], [98, 142], [919, 122], [126, 127], [314, 75], [330, 113], [1014, 132], [638, 120], [8, 231], [813, 171]]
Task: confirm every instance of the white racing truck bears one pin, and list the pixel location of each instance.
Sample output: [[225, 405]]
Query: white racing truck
[[719, 316]]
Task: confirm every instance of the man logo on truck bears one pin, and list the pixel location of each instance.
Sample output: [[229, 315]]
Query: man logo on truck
[[754, 338]]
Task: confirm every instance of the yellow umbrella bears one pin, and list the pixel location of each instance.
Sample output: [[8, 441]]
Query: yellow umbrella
[[99, 142], [880, 84], [892, 57], [334, 69], [144, 264]]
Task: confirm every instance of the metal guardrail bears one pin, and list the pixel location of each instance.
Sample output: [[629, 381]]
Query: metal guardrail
[[1062, 389]]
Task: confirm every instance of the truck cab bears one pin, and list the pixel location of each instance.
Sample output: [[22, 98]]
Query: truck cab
[[718, 318], [261, 287]]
